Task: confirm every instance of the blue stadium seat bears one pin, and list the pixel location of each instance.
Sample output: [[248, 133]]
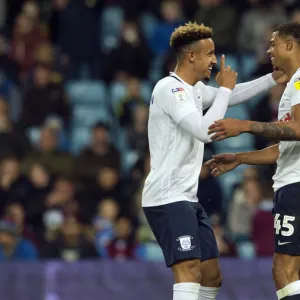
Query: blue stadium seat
[[80, 138], [238, 111], [84, 92], [248, 65], [156, 69], [147, 24], [33, 134], [117, 92], [230, 60], [110, 23], [129, 158], [243, 141], [255, 100], [88, 115], [228, 181]]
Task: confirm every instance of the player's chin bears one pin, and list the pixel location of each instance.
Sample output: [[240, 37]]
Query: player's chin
[[207, 77]]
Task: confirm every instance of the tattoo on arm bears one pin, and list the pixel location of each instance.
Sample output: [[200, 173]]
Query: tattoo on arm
[[274, 131]]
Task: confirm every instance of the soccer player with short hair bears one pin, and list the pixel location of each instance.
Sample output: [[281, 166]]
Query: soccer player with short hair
[[177, 131], [285, 55]]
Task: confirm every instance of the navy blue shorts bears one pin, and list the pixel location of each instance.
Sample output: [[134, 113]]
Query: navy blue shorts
[[183, 232], [287, 220]]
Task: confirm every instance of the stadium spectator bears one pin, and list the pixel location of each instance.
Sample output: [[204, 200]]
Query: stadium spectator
[[223, 18], [26, 39], [255, 22], [12, 246], [267, 111], [137, 133], [41, 183], [45, 97], [243, 207], [13, 185], [225, 245], [132, 98], [101, 153], [123, 246], [68, 33], [70, 244], [47, 152], [13, 140], [130, 58], [59, 203], [15, 212], [171, 13], [108, 184], [8, 65], [262, 223], [103, 223], [209, 192]]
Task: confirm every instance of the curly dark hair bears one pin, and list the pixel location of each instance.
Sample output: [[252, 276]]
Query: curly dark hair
[[289, 29], [187, 34]]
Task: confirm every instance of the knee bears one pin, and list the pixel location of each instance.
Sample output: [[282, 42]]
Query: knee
[[286, 272], [212, 278], [277, 270], [291, 274], [187, 271]]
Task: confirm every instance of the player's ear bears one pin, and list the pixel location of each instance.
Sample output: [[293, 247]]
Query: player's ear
[[289, 45], [191, 55]]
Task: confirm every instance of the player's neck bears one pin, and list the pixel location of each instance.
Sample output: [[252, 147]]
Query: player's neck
[[292, 68], [186, 75]]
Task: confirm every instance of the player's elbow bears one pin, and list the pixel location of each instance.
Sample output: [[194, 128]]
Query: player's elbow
[[204, 139]]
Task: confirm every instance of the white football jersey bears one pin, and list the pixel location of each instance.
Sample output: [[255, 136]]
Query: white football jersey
[[176, 156], [288, 163]]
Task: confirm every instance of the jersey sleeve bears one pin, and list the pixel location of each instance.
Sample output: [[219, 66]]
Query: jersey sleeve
[[175, 102], [295, 91], [241, 93]]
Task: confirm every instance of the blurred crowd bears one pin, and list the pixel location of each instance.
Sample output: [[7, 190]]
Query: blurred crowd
[[75, 82]]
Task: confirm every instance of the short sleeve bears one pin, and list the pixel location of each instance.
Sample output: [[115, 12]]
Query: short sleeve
[[175, 101], [295, 91]]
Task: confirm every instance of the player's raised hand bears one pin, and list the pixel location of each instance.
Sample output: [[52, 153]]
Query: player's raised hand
[[226, 77], [227, 128], [222, 163]]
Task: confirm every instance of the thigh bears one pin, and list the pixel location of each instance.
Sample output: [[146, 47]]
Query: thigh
[[208, 244], [287, 220], [175, 228]]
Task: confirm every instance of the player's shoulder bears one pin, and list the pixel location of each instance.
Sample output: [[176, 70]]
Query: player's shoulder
[[168, 85], [295, 80]]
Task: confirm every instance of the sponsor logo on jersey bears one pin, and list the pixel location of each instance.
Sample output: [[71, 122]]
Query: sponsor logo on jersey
[[286, 118], [179, 94], [297, 83], [177, 90]]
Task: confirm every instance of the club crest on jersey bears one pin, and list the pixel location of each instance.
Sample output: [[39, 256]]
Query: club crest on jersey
[[185, 243], [297, 83], [179, 94]]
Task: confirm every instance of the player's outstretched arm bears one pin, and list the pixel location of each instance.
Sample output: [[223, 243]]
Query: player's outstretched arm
[[244, 91], [223, 163], [278, 131]]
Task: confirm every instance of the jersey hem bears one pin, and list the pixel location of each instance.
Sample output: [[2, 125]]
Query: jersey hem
[[167, 201], [279, 186]]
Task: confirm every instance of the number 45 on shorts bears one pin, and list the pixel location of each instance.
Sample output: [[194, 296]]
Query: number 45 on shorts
[[283, 226]]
